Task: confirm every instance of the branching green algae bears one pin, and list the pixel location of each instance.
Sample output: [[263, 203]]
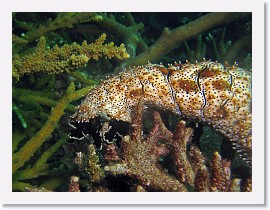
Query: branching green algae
[[25, 153]]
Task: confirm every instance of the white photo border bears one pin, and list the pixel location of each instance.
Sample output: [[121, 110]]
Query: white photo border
[[257, 196]]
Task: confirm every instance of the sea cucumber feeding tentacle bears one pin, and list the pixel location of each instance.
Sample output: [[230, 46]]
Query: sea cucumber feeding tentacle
[[207, 91]]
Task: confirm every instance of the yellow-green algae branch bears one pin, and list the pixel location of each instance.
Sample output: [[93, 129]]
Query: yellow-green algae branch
[[26, 152], [40, 167]]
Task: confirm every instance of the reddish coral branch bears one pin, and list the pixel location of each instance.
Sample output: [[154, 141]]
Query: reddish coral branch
[[201, 173], [221, 174], [74, 185], [141, 157], [181, 137], [141, 160]]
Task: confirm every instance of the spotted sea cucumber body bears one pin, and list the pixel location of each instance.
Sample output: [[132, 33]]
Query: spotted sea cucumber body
[[208, 92]]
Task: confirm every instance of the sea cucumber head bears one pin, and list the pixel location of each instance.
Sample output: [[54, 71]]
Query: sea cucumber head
[[106, 101]]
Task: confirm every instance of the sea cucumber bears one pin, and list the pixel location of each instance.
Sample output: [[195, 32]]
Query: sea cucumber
[[210, 92]]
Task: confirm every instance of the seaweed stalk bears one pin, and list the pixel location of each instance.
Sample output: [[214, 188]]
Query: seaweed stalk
[[25, 153]]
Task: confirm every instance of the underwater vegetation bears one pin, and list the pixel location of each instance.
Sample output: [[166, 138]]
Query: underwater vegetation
[[58, 58]]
